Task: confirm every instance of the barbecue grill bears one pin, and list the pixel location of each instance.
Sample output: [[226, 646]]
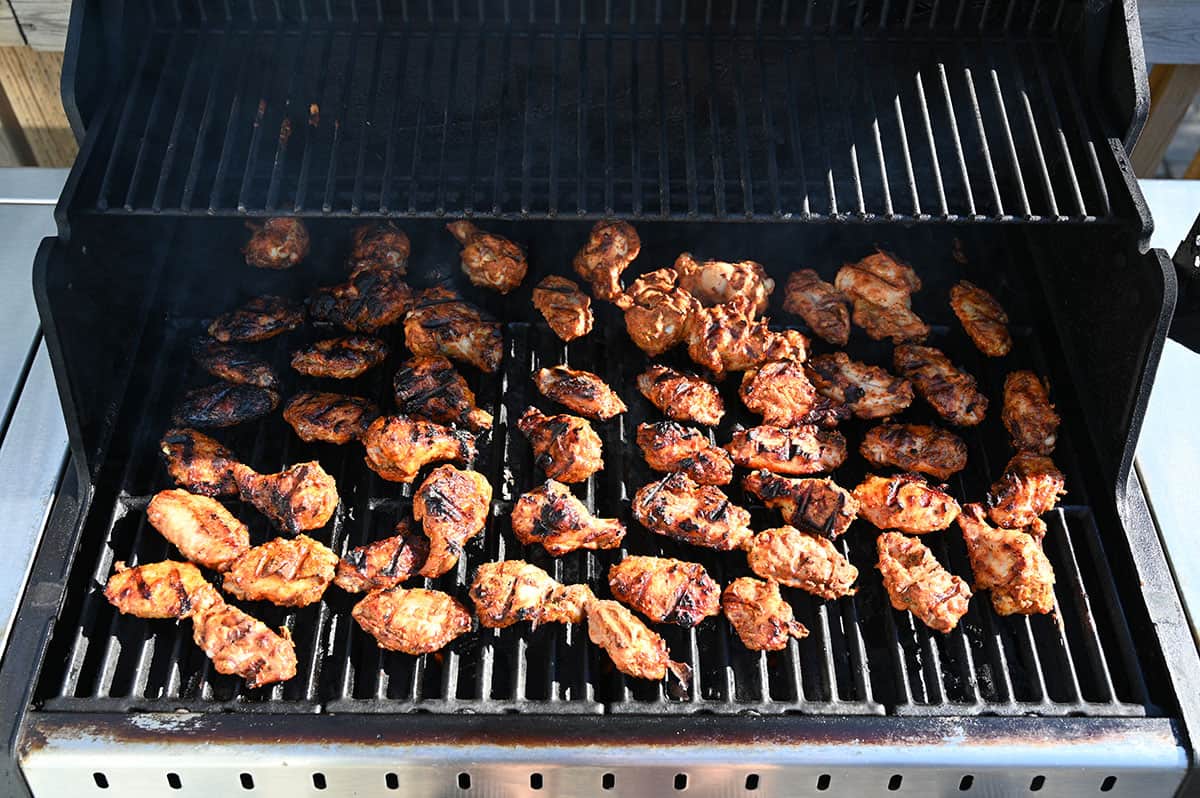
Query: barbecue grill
[[979, 139]]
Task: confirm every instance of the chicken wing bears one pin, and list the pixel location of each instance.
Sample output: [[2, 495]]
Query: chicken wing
[[565, 447], [816, 506], [200, 527], [512, 591], [868, 391], [982, 317], [198, 463], [441, 323], [297, 499], [380, 244], [414, 621], [277, 244], [727, 338], [290, 572], [566, 309], [670, 447], [657, 311], [714, 282], [488, 260], [896, 322], [788, 450], [666, 590], [551, 516], [796, 559], [398, 447], [432, 389], [258, 319], [224, 404], [683, 397], [917, 582], [780, 392], [1028, 415], [233, 364], [905, 502], [949, 390], [372, 299], [452, 507], [329, 417], [823, 308], [384, 563], [635, 650], [610, 248], [241, 645], [581, 391], [915, 447], [881, 279], [1008, 562], [1030, 486], [762, 619], [165, 589], [702, 515], [340, 358]]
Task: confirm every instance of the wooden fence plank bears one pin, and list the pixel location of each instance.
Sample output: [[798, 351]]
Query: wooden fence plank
[[30, 81], [1172, 89], [43, 22]]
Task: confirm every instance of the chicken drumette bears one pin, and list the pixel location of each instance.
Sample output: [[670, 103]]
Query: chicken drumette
[[822, 306], [551, 516], [982, 317], [727, 338], [683, 397], [917, 582], [241, 645], [200, 527], [452, 507], [234, 364], [415, 621], [1030, 486], [880, 278], [797, 559], [329, 417], [657, 310], [258, 319], [489, 260], [290, 572], [1010, 563], [788, 450], [340, 358], [384, 563], [565, 447], [224, 404], [372, 299], [905, 502], [678, 508], [670, 447], [581, 391], [198, 463], [762, 619], [512, 591], [666, 590], [297, 499], [398, 447], [817, 506], [429, 387], [1028, 415], [277, 244], [381, 244], [165, 589], [442, 323], [566, 309], [951, 391], [895, 322], [610, 248], [714, 281], [780, 392], [868, 391], [915, 447], [635, 650]]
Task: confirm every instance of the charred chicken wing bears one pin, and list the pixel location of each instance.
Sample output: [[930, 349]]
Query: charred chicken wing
[[823, 307], [329, 417], [895, 322], [1030, 486], [512, 591], [714, 281], [452, 507], [430, 388], [982, 317], [788, 450], [297, 499], [868, 391], [780, 392], [198, 463], [260, 318], [277, 244], [905, 502], [609, 250], [490, 261], [1008, 562], [566, 309], [415, 621], [233, 364], [1028, 415], [581, 391], [702, 515], [816, 506], [657, 310], [880, 278], [635, 650], [201, 528], [666, 590], [398, 447], [949, 390], [165, 589], [290, 572], [379, 244], [552, 516], [669, 447], [727, 338], [441, 323], [683, 397], [240, 645], [370, 300], [796, 559], [384, 563], [565, 447], [224, 404], [762, 619], [340, 358], [915, 447], [917, 582]]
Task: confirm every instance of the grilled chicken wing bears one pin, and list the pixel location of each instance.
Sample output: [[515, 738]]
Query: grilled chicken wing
[[1028, 415], [340, 358], [796, 559], [201, 528], [384, 563], [552, 516], [915, 447], [816, 506], [329, 417], [415, 621], [297, 499], [683, 397], [1030, 486], [635, 650], [441, 323], [666, 590], [290, 572], [258, 319], [868, 391], [670, 447], [512, 591], [381, 244], [678, 508], [762, 619], [715, 281], [896, 322], [277, 244], [165, 589], [452, 507], [198, 463], [982, 317], [823, 307], [905, 502], [490, 261], [949, 390], [565, 447], [372, 299], [241, 645], [788, 450], [566, 309], [779, 392], [430, 388], [1010, 563], [580, 391], [880, 278], [398, 447], [610, 248], [233, 364], [917, 582], [657, 310], [727, 338], [224, 404]]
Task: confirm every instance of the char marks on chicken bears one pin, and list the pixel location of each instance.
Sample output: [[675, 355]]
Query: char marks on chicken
[[917, 582], [259, 319], [384, 563], [1010, 563], [610, 248], [702, 515], [780, 392], [299, 498], [166, 589], [224, 404], [952, 392], [683, 397], [757, 612], [489, 260], [788, 450], [1028, 416], [289, 572], [915, 447], [411, 621], [666, 590], [430, 388], [906, 502], [565, 447], [372, 299], [1030, 486], [200, 527], [817, 506], [398, 447], [565, 307], [329, 417], [581, 391], [797, 559], [512, 591], [657, 311], [340, 358], [379, 245], [822, 306], [714, 282], [233, 364], [452, 507], [553, 517], [982, 317], [867, 391], [442, 323], [198, 463], [669, 447]]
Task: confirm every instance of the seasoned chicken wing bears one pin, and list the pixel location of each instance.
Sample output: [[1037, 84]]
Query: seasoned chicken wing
[[678, 508], [715, 281], [780, 392], [165, 589], [868, 391], [233, 364], [551, 516], [329, 417], [198, 463], [1010, 563], [582, 391], [488, 260], [666, 590], [823, 308], [669, 447], [1030, 486], [224, 404], [512, 591], [896, 322], [372, 299], [565, 447], [340, 358], [917, 582], [241, 645], [384, 563], [431, 388], [398, 447], [683, 397], [297, 499], [452, 507], [610, 248], [982, 317], [788, 450], [796, 559], [258, 319], [415, 621], [905, 502], [881, 278], [762, 619], [727, 338], [915, 447], [566, 309], [635, 650], [656, 311], [200, 527], [441, 323], [1028, 415], [816, 506], [290, 572], [379, 244], [277, 244], [951, 391]]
